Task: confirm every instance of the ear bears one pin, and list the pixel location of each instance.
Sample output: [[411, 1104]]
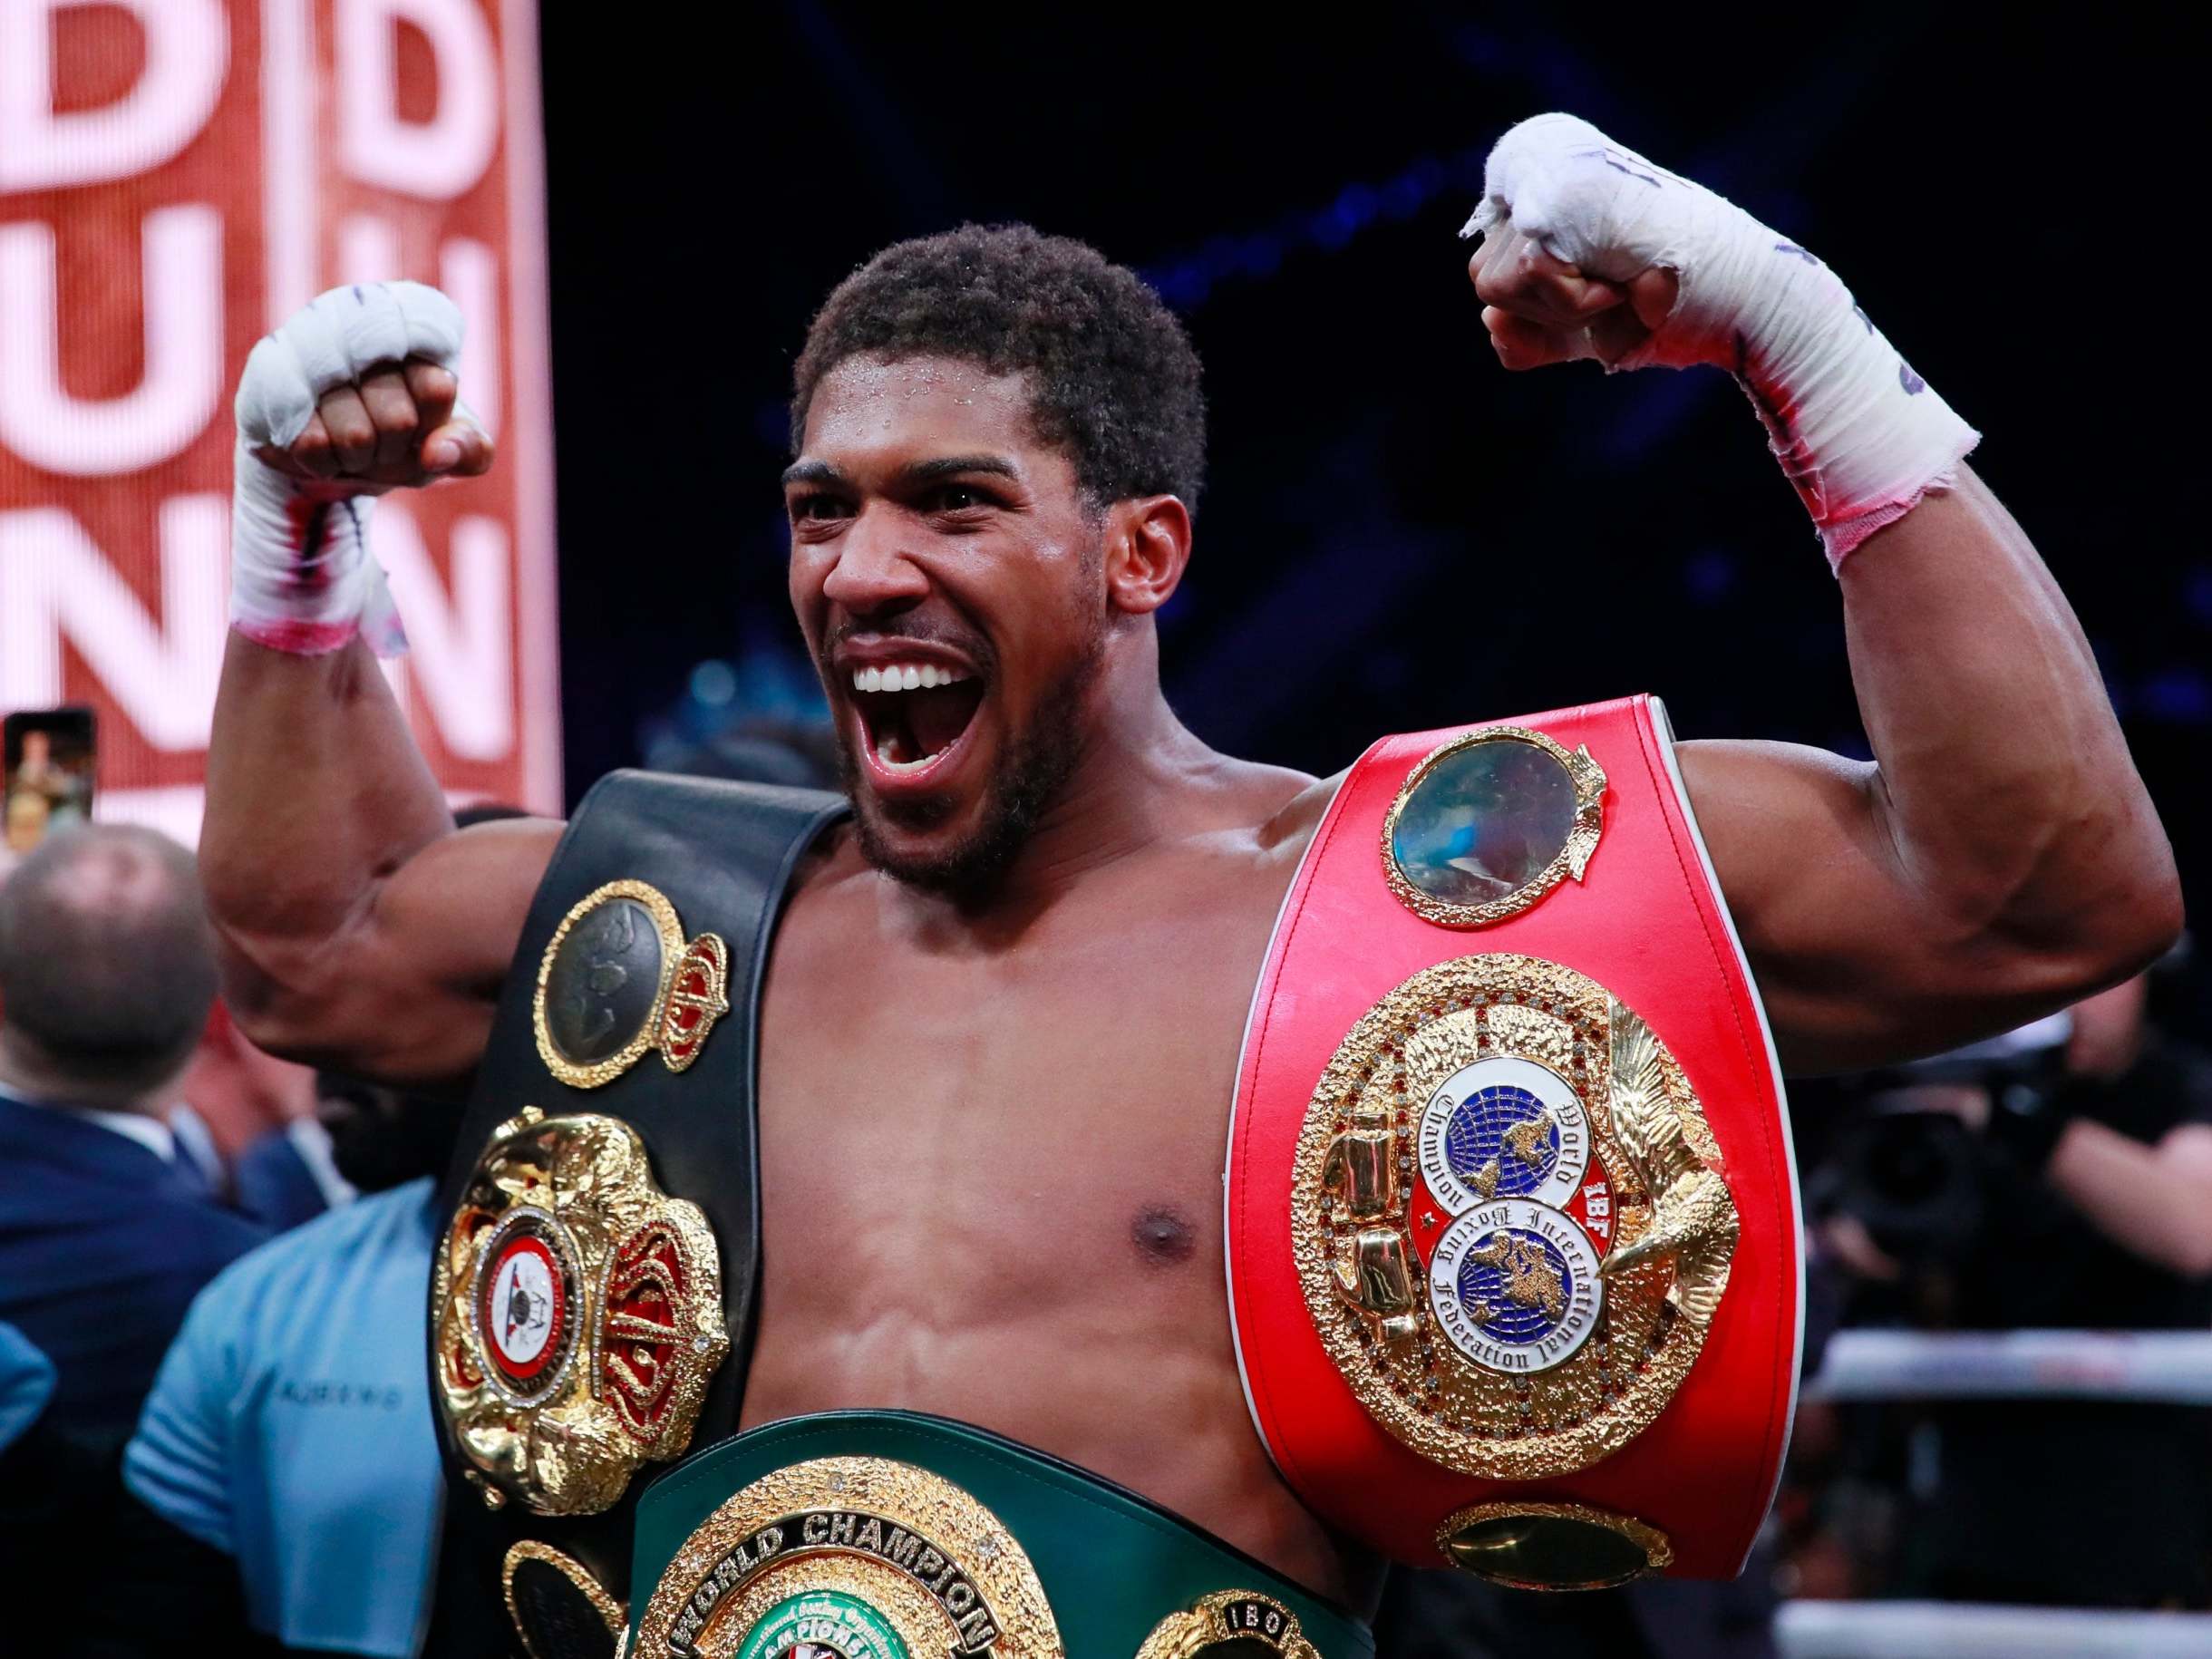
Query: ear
[[1148, 545]]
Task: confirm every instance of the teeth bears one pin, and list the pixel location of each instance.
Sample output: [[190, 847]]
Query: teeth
[[904, 677], [883, 757]]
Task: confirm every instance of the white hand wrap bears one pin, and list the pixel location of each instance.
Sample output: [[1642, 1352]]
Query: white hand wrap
[[301, 576], [1861, 435]]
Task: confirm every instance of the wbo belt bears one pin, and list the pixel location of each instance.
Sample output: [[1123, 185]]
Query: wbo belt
[[891, 1535]]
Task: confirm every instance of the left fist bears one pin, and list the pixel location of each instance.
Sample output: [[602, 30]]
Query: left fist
[[1589, 250], [1541, 309]]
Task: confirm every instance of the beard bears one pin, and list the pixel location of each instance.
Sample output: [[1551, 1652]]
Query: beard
[[1022, 788]]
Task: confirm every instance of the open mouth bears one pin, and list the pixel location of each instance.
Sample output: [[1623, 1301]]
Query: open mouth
[[914, 714]]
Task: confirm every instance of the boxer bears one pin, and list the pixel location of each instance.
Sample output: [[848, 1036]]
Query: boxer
[[1001, 1028]]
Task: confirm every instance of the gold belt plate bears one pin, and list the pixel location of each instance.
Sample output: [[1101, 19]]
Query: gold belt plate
[[577, 1313], [1510, 1219], [852, 1554]]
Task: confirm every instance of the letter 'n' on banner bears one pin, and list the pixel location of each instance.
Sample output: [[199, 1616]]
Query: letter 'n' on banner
[[176, 178]]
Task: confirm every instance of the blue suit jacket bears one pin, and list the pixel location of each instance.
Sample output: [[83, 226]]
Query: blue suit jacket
[[102, 1246], [274, 1185]]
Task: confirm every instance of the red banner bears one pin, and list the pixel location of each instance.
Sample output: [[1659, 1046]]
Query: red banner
[[176, 178]]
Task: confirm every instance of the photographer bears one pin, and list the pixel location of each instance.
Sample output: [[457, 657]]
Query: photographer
[[2064, 1181]]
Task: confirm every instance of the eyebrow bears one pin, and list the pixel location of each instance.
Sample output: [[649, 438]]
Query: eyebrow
[[811, 472], [918, 473]]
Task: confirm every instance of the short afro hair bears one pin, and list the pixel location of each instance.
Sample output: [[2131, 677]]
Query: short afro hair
[[1114, 381]]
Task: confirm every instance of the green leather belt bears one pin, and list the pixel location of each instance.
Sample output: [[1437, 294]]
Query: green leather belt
[[889, 1534]]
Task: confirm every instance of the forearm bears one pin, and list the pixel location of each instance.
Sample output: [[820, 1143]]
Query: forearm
[[316, 794], [2155, 1201], [2004, 792], [1999, 859]]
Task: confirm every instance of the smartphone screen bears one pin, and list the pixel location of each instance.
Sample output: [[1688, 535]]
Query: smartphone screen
[[47, 758]]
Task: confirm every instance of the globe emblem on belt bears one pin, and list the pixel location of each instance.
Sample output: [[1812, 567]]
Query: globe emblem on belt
[[823, 1625], [1515, 1286], [1503, 1137], [1503, 1144], [1503, 1128]]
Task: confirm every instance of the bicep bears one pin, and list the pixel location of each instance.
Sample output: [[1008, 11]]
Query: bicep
[[1858, 957], [404, 992]]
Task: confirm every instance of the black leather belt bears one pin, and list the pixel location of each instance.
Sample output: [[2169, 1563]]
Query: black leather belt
[[605, 1177]]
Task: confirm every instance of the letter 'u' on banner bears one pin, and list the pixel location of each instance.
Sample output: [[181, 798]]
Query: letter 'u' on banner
[[176, 178]]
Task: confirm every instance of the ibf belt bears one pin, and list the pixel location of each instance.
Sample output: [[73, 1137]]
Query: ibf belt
[[889, 1534], [1512, 1219]]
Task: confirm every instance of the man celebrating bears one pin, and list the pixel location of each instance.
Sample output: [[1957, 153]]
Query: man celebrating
[[1009, 1008]]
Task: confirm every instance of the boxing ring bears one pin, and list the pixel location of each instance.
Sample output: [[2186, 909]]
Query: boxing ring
[[2160, 1367]]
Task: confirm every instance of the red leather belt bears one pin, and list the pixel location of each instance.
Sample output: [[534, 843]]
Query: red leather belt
[[1512, 1219]]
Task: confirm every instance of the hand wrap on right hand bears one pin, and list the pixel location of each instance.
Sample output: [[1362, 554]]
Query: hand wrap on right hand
[[301, 576]]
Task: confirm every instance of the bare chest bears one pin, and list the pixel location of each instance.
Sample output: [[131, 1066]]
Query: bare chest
[[991, 1185], [1070, 1088]]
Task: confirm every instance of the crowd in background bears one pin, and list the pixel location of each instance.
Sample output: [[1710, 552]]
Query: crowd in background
[[212, 1266]]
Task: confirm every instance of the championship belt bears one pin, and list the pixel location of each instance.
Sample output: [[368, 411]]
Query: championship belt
[[591, 1304], [1512, 1219], [889, 1534]]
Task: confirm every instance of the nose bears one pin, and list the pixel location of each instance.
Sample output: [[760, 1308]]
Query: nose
[[874, 571]]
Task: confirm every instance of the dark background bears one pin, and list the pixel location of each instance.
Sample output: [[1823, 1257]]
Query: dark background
[[1396, 534]]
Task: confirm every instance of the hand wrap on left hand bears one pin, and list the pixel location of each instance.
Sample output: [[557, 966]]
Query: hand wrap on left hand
[[1861, 435]]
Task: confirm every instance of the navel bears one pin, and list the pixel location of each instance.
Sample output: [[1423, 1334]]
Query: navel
[[1162, 1236]]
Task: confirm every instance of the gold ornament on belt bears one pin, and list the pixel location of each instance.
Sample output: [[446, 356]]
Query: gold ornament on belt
[[527, 1577], [1553, 1546], [1489, 823], [1243, 1617], [866, 1557], [619, 979], [577, 1311], [1511, 1223]]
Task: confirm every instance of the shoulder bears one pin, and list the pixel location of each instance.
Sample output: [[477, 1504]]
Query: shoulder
[[196, 1232], [834, 859], [274, 1274], [1292, 822]]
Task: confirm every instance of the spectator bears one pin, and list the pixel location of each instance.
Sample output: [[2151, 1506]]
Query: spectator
[[290, 1175], [26, 1384], [54, 1492], [2100, 1215], [241, 1096], [107, 974], [284, 1476], [2076, 1166]]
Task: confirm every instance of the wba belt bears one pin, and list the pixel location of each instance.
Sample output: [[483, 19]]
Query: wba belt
[[888, 1535], [1512, 1222], [591, 1307]]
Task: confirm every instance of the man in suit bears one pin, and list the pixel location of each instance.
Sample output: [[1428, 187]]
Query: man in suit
[[107, 975]]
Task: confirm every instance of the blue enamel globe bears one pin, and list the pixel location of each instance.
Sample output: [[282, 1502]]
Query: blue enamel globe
[[1482, 1134], [1515, 1287]]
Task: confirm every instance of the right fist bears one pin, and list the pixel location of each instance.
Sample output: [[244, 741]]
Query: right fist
[[356, 394]]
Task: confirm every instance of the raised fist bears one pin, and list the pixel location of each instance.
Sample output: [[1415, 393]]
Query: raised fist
[[356, 394], [1540, 308], [1589, 250]]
